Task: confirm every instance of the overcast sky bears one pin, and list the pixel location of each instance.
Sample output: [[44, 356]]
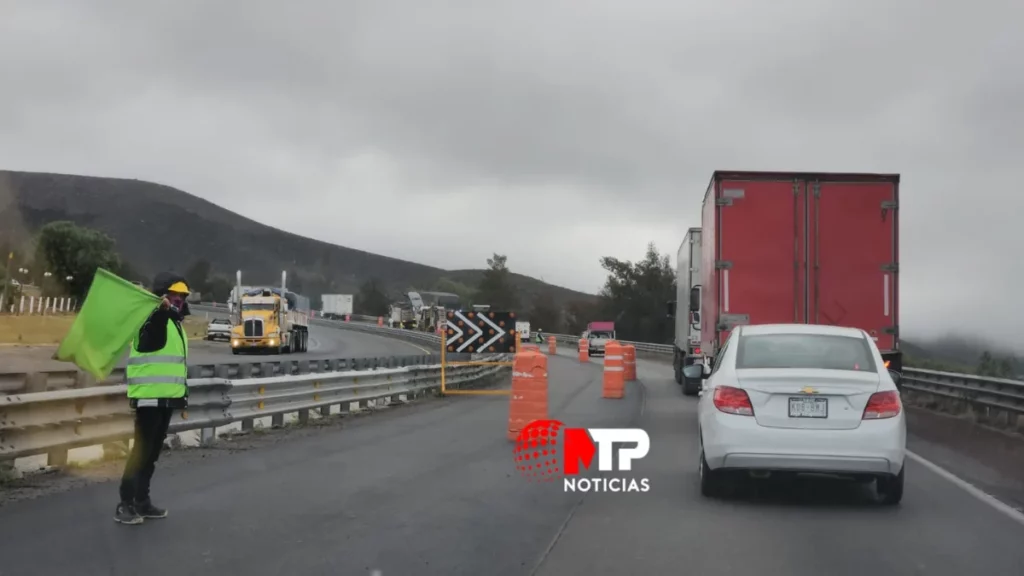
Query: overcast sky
[[557, 131]]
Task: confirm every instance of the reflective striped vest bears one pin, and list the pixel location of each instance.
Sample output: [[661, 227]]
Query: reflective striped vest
[[159, 374]]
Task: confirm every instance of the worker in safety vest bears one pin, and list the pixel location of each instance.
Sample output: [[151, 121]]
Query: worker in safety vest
[[156, 376], [540, 336]]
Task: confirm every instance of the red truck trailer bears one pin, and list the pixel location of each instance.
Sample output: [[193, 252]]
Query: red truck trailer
[[804, 247]]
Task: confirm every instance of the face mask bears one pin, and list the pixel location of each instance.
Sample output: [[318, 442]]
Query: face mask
[[177, 303]]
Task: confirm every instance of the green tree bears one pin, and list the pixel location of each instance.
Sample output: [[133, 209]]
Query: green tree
[[496, 289], [372, 300], [295, 282], [1004, 368], [634, 296], [985, 363], [130, 273], [69, 251], [219, 289], [545, 314], [580, 312], [467, 295], [198, 276]]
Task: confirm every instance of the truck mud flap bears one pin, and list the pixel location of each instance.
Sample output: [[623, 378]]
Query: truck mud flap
[[895, 360]]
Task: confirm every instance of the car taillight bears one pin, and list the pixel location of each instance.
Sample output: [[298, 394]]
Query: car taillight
[[883, 405], [733, 401]]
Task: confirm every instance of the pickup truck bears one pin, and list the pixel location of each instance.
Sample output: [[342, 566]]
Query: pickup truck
[[219, 329], [597, 335]]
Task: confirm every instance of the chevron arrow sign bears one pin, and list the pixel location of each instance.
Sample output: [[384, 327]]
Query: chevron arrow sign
[[481, 332]]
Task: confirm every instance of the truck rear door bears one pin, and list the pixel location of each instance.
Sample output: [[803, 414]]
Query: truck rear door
[[759, 236], [853, 248]]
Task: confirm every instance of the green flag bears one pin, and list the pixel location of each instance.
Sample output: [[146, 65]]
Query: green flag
[[113, 311]]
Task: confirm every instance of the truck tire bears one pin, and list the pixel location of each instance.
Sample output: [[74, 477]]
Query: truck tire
[[677, 365]]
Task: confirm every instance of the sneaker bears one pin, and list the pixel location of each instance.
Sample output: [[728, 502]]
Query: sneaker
[[126, 514], [147, 510]]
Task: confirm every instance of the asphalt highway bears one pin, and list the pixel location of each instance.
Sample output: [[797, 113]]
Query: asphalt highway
[[324, 342], [811, 528], [432, 489], [422, 490]]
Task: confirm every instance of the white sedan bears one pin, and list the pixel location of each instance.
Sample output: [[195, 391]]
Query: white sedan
[[800, 398]]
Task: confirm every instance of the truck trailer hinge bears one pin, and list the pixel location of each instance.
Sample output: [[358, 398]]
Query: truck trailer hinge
[[891, 267], [894, 330], [817, 189], [890, 205], [723, 265]]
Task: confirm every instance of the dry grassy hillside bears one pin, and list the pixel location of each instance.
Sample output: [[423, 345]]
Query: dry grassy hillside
[[190, 227]]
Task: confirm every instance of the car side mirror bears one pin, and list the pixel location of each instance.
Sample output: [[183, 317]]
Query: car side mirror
[[670, 309], [695, 299], [896, 377]]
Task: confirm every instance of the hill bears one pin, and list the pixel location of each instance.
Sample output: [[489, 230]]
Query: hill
[[158, 227]]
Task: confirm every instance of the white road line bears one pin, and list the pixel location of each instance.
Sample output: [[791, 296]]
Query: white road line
[[1007, 510], [993, 502]]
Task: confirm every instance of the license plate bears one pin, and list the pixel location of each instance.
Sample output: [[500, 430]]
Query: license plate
[[808, 408]]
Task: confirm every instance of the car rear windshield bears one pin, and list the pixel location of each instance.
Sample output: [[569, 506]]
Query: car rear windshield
[[816, 351]]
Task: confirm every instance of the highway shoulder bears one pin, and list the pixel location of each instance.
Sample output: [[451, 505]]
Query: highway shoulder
[[807, 528]]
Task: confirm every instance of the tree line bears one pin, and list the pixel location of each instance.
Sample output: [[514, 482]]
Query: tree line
[[62, 258], [634, 296]]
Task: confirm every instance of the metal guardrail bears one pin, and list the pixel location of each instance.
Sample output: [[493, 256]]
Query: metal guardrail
[[52, 422], [50, 412], [992, 399], [1001, 401], [358, 323]]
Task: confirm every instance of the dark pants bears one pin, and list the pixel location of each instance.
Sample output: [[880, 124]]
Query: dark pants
[[150, 430]]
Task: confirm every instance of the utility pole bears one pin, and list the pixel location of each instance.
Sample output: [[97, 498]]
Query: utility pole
[[7, 281]]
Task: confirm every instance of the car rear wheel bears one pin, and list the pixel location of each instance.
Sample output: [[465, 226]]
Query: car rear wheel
[[890, 489], [711, 481]]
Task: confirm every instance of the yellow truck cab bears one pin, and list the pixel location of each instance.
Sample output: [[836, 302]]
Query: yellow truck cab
[[270, 320]]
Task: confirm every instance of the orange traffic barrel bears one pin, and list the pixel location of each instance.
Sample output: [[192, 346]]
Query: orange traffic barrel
[[614, 384], [529, 398], [552, 346], [380, 321], [584, 350], [629, 362]]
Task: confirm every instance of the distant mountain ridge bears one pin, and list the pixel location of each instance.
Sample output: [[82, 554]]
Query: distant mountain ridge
[[190, 228]]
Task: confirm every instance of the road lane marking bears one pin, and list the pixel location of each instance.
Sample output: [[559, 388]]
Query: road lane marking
[[993, 502], [1007, 510]]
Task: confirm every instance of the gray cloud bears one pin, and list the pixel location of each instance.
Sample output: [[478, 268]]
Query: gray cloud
[[590, 128]]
